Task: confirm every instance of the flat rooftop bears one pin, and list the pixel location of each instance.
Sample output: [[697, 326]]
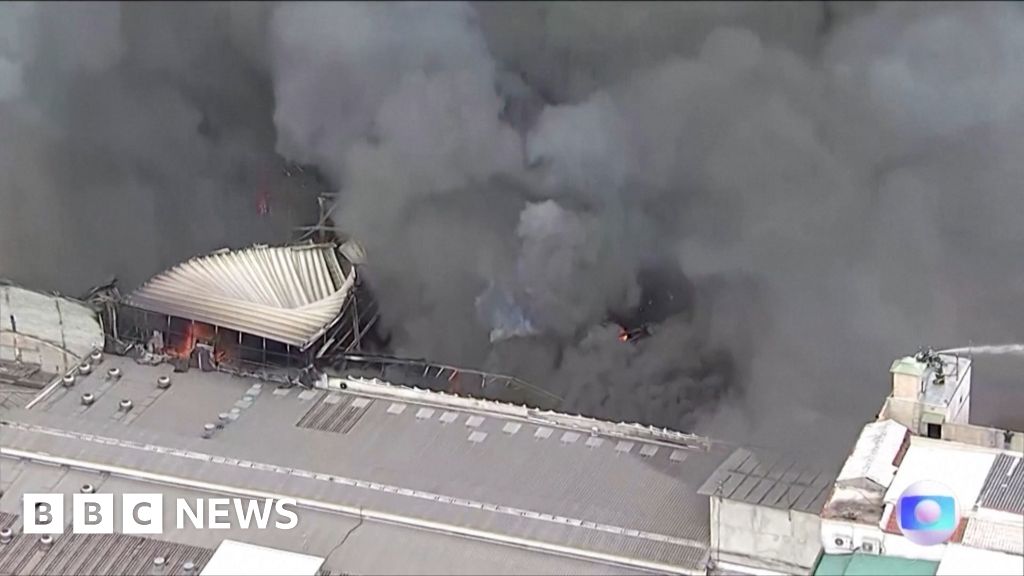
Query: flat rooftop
[[470, 490]]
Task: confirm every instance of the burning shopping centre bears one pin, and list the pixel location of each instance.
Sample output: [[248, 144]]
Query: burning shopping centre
[[293, 311], [284, 306]]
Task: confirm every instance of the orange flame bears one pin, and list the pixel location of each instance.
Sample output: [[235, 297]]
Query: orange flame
[[195, 333]]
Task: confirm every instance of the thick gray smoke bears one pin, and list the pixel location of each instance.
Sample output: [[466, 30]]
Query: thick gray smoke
[[134, 136], [825, 175]]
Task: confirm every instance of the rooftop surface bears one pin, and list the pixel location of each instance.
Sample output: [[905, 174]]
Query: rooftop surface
[[771, 480], [965, 560], [961, 467], [473, 485], [955, 370], [870, 565], [370, 547], [875, 454]]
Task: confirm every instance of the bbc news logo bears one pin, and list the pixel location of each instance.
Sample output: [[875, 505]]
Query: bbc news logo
[[144, 513], [927, 513]]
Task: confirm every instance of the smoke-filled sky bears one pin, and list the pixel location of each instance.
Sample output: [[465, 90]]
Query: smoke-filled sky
[[839, 182]]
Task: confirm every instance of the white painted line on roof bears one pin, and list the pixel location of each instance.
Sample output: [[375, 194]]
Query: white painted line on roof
[[359, 512], [653, 536]]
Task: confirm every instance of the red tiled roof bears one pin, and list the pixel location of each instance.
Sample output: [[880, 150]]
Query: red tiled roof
[[892, 527]]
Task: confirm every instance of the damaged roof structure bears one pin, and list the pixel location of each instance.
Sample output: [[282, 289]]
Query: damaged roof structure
[[291, 294], [303, 300]]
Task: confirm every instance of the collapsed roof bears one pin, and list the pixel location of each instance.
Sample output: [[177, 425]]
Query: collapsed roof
[[289, 294]]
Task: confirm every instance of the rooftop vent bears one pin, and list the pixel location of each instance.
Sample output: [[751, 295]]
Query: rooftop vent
[[88, 399], [88, 489], [68, 380], [188, 568], [85, 368], [125, 405], [96, 357], [208, 430], [114, 373], [6, 535], [163, 382], [46, 541]]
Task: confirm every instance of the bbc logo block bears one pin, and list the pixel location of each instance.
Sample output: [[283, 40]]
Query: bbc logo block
[[144, 513], [93, 513], [43, 513]]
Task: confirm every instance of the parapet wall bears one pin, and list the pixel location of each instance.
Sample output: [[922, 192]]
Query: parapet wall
[[375, 387]]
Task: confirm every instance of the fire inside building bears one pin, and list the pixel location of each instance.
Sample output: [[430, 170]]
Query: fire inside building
[[295, 313], [282, 306]]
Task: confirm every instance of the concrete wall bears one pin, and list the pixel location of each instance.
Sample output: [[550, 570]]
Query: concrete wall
[[775, 537], [902, 411], [982, 436], [906, 386]]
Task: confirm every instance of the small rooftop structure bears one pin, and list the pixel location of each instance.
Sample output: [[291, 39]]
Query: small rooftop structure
[[765, 512], [769, 479], [860, 488], [289, 294], [876, 455], [232, 558], [49, 331]]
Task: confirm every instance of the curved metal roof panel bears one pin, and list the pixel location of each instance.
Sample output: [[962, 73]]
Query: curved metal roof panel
[[290, 294]]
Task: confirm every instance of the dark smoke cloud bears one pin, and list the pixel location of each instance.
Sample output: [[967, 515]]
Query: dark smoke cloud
[[135, 136], [825, 174]]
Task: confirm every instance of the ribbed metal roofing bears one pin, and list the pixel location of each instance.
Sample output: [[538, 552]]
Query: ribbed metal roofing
[[1004, 487], [289, 294]]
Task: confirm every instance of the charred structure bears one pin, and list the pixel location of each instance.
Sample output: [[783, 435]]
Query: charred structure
[[285, 306]]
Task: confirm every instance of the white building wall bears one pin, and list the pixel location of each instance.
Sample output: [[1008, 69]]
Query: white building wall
[[769, 537], [898, 545], [852, 535]]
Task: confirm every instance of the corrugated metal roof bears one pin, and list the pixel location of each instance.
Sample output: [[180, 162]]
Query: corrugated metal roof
[[874, 455], [959, 560], [769, 479], [587, 497], [288, 294], [1004, 487], [991, 535], [869, 565], [100, 554]]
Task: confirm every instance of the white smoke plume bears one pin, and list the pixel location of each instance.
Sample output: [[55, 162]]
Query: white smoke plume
[[824, 174]]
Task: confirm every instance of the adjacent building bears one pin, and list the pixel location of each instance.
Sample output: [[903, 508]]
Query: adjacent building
[[924, 433]]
